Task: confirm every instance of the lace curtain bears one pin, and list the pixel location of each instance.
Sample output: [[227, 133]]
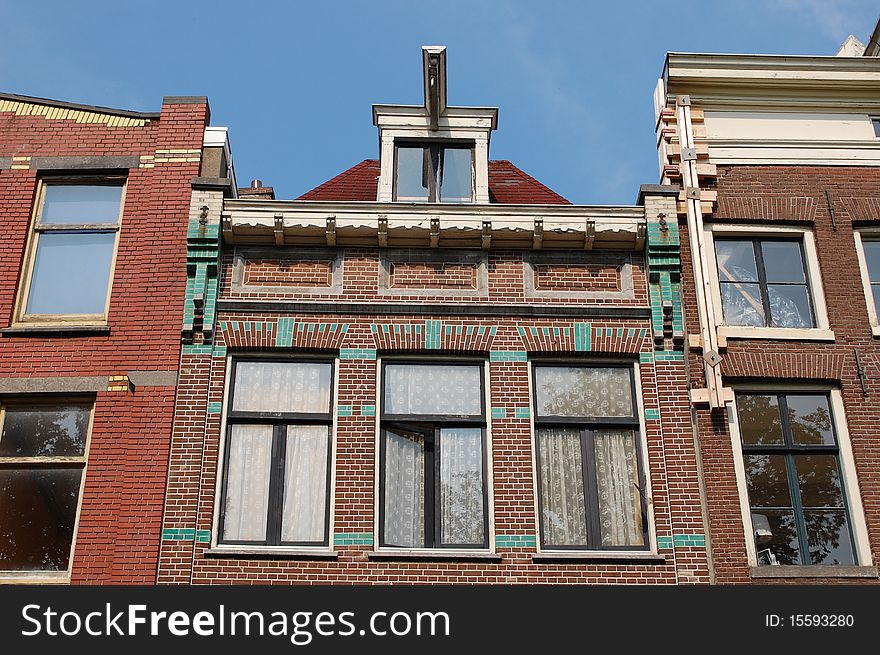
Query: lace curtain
[[562, 487], [305, 484], [432, 390], [617, 477], [404, 489], [583, 391], [247, 483], [282, 387], [461, 486]]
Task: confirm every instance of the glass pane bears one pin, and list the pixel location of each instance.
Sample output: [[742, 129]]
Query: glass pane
[[81, 205], [736, 261], [461, 486], [305, 484], [282, 387], [455, 175], [767, 480], [412, 183], [617, 479], [828, 537], [741, 304], [776, 537], [875, 292], [759, 419], [71, 273], [810, 419], [783, 261], [819, 480], [433, 390], [872, 259], [876, 123], [44, 432], [563, 513], [404, 489], [790, 306], [37, 518], [247, 483], [583, 391]]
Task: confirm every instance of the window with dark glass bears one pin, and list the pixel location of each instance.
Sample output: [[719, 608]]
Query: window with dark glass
[[875, 123], [872, 260], [72, 250], [433, 457], [42, 458], [589, 472], [764, 283], [276, 483], [433, 172], [794, 479]]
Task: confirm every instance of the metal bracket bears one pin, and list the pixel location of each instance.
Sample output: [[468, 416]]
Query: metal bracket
[[689, 154], [692, 193], [226, 225], [712, 358], [683, 101], [831, 209], [330, 231]]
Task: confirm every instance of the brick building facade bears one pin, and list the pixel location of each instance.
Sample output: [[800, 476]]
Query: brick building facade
[[779, 164], [94, 204], [434, 369]]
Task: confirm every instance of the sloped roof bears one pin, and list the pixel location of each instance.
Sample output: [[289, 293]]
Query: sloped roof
[[508, 185]]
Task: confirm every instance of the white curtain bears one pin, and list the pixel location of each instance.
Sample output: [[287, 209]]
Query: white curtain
[[461, 486], [583, 391], [305, 484], [282, 387], [620, 513], [432, 389], [247, 483], [562, 487], [404, 489]]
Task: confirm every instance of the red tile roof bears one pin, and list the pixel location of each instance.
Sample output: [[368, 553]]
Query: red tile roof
[[508, 185]]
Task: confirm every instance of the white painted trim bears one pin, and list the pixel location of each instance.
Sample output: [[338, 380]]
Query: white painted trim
[[822, 331], [856, 512], [377, 444], [490, 468], [221, 454], [645, 457], [866, 277]]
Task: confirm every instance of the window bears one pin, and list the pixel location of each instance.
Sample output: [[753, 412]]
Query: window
[[796, 491], [868, 249], [42, 459], [433, 457], [72, 250], [590, 482], [875, 123], [766, 282], [436, 172], [276, 487]]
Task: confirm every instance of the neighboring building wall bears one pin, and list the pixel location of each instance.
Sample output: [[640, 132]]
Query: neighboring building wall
[[482, 307], [795, 195], [128, 367]]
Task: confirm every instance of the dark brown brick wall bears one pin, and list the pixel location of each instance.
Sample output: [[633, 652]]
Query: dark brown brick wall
[[795, 195]]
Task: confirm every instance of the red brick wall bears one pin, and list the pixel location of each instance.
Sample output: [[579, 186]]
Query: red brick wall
[[576, 277], [433, 276], [119, 527], [285, 273], [795, 194]]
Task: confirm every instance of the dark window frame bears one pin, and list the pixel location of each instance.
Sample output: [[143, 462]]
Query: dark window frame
[[48, 462], [37, 229], [789, 450], [279, 422], [432, 149], [429, 426], [589, 425], [762, 283]]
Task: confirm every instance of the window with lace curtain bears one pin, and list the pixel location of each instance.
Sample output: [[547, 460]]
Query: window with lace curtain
[[433, 456], [590, 478], [276, 483]]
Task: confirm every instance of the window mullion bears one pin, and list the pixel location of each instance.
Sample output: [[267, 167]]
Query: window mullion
[[431, 496], [591, 488], [762, 282], [276, 485], [793, 486]]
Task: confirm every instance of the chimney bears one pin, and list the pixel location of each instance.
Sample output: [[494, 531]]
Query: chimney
[[256, 191]]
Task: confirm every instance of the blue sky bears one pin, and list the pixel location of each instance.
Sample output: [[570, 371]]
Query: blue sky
[[295, 81]]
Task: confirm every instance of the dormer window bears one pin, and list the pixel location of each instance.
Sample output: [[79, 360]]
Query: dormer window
[[433, 172]]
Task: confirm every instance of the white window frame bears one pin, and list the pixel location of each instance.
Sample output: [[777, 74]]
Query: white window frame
[[216, 544], [52, 577], [861, 544], [644, 454], [377, 464], [21, 317], [822, 331], [866, 277]]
